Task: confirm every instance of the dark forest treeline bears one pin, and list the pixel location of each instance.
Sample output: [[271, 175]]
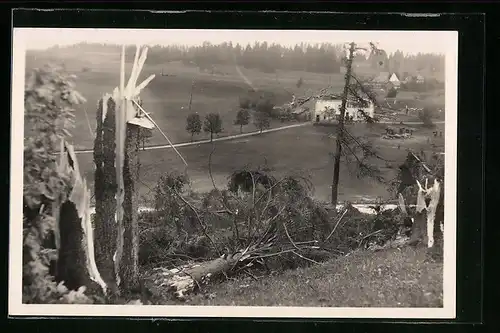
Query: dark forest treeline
[[318, 58]]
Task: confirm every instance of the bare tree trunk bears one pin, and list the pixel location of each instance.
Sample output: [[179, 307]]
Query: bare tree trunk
[[191, 96], [129, 269], [340, 130], [104, 191]]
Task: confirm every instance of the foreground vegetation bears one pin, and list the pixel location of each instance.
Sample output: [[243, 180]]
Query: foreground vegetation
[[401, 277]]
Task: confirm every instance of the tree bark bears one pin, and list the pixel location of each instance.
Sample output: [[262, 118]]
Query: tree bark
[[129, 269], [104, 192], [340, 130]]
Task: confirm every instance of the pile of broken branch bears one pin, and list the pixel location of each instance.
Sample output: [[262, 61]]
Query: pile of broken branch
[[258, 222]]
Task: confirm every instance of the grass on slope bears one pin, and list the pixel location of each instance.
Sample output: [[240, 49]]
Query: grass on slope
[[167, 97], [392, 278]]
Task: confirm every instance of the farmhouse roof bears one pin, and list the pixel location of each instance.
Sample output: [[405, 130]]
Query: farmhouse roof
[[394, 78]]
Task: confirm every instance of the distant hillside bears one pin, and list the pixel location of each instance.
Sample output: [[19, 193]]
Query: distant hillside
[[266, 58]]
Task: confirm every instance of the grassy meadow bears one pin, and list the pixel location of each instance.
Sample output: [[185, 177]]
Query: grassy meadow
[[396, 278], [302, 150], [167, 97]]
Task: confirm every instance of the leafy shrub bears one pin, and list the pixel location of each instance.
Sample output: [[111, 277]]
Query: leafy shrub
[[392, 93], [193, 124], [49, 101], [262, 121], [212, 124], [245, 102], [265, 105], [242, 118], [426, 116]]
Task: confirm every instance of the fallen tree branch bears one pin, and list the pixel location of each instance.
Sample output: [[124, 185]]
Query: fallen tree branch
[[289, 237], [203, 226], [305, 258], [338, 221], [421, 162]]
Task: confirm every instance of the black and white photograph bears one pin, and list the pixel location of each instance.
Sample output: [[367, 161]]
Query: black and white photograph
[[233, 173]]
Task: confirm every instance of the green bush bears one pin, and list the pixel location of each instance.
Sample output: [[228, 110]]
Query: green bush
[[392, 93], [426, 116], [245, 103], [49, 101], [265, 105]]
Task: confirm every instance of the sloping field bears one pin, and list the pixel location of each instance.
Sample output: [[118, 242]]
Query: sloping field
[[304, 151], [167, 97]]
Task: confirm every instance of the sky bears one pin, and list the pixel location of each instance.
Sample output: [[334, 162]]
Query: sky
[[410, 42]]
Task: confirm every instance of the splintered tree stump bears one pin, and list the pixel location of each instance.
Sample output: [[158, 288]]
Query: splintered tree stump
[[72, 261], [105, 190], [129, 267], [178, 282], [76, 259]]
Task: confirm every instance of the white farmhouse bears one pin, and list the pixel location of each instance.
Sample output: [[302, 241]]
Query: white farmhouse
[[326, 110]]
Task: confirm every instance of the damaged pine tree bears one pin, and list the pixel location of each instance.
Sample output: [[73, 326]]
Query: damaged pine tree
[[420, 191]]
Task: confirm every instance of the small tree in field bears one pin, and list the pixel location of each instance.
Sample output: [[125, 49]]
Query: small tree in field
[[265, 104], [212, 124], [392, 93], [261, 121], [242, 118], [193, 124], [426, 117]]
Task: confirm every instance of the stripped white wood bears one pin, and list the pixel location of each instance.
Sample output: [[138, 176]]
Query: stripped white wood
[[80, 196]]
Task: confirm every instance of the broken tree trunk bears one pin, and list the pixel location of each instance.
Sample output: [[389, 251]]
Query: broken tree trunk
[[181, 281], [129, 267], [76, 261], [340, 130], [427, 214], [105, 190]]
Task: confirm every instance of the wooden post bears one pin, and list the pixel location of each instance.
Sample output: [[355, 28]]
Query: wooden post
[[129, 268]]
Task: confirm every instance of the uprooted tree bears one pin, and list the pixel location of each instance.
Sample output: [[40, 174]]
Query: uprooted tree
[[258, 218]]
